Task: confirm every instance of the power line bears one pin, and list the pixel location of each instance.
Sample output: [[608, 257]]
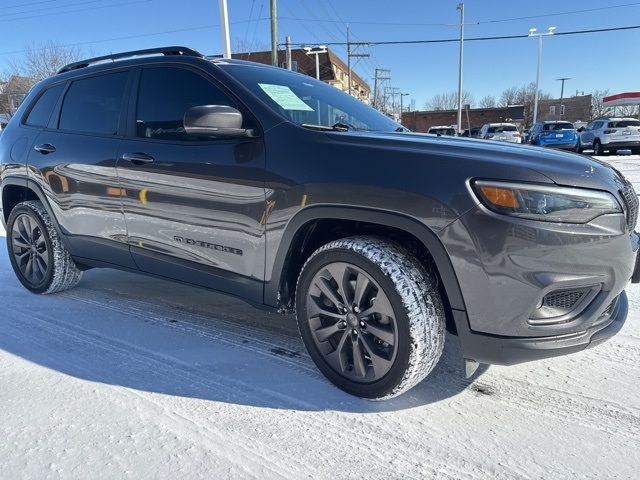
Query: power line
[[74, 11], [142, 35], [481, 22], [477, 39]]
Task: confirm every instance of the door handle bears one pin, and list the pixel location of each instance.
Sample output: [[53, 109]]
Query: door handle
[[137, 158], [45, 148]]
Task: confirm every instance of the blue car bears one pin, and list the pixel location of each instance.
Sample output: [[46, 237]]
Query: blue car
[[556, 134]]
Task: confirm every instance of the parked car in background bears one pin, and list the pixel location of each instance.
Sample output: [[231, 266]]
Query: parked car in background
[[502, 132], [556, 134], [473, 133], [443, 130], [611, 134]]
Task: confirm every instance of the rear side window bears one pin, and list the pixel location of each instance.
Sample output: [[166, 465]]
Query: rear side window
[[41, 112], [92, 105], [165, 94], [625, 123]]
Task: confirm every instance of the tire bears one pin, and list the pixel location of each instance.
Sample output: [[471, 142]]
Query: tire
[[597, 148], [38, 257], [400, 322]]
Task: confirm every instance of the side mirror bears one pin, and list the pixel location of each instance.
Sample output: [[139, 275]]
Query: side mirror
[[214, 121], [581, 129]]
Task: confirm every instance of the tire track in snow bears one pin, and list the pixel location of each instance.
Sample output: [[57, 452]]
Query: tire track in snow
[[532, 398], [338, 435], [211, 439]]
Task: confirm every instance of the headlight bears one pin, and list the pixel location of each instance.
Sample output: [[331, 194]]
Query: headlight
[[546, 203]]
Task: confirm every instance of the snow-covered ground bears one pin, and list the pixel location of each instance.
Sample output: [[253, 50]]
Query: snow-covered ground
[[132, 377]]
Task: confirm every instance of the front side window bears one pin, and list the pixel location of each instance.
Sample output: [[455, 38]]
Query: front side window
[[92, 105], [165, 94], [43, 108]]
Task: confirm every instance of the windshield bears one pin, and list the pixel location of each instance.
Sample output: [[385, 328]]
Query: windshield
[[558, 126], [503, 128], [305, 100], [625, 123]]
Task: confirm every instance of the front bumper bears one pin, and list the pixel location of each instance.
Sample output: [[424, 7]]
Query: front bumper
[[498, 350], [508, 267]]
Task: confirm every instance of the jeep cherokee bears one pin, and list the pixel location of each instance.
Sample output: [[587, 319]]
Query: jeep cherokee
[[280, 189]]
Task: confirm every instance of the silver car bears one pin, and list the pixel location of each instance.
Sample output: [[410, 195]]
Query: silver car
[[611, 134], [501, 132]]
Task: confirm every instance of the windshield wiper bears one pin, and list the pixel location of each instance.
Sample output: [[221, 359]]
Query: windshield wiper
[[337, 127]]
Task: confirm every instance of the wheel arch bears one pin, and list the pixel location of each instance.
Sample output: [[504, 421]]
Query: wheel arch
[[15, 190], [296, 244]]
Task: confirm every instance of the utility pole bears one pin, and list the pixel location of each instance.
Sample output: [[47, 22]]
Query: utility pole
[[224, 29], [288, 50], [401, 103], [351, 55], [563, 79], [461, 8], [379, 78], [274, 34], [532, 33]]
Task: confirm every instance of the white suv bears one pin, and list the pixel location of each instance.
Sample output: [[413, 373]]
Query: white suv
[[502, 132], [611, 134]]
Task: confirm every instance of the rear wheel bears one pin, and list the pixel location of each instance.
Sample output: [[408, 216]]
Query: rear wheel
[[370, 316], [597, 148], [38, 257]]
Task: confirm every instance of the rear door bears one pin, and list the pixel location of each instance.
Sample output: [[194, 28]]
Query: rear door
[[194, 206], [74, 162]]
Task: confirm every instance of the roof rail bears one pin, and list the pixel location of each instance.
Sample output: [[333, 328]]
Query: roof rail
[[183, 51]]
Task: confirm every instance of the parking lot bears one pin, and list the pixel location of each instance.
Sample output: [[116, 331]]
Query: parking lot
[[132, 377]]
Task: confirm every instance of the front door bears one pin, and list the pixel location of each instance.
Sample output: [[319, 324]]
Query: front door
[[194, 206]]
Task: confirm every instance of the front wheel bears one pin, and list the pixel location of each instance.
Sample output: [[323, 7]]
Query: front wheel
[[38, 257], [370, 316]]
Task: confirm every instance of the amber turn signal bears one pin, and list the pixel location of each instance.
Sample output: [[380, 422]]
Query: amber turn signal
[[500, 197]]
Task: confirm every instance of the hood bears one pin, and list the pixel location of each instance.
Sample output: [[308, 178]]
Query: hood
[[562, 168]]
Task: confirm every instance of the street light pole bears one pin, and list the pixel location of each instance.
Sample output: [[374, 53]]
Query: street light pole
[[563, 79], [461, 8], [224, 29], [316, 51], [532, 33]]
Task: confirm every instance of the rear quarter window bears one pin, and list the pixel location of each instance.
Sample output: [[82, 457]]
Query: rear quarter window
[[43, 108]]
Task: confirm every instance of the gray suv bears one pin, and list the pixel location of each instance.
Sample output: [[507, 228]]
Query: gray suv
[[281, 190]]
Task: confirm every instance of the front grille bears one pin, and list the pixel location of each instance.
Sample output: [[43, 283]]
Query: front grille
[[564, 300], [631, 204]]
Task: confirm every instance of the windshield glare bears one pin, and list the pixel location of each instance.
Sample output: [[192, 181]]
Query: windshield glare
[[503, 128], [305, 100], [558, 126]]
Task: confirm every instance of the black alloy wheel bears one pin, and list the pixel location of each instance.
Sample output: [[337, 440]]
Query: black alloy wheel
[[352, 322], [30, 249]]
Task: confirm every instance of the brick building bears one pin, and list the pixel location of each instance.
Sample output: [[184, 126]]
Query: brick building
[[574, 109], [421, 121], [332, 69]]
